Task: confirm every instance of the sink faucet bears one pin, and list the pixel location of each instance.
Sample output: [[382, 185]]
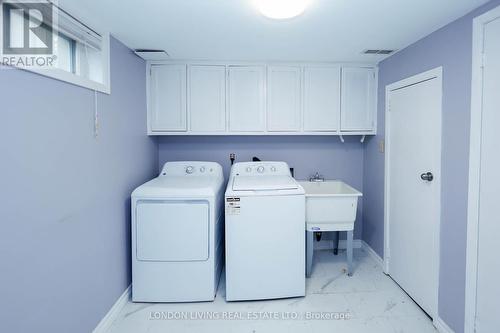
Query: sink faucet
[[317, 178]]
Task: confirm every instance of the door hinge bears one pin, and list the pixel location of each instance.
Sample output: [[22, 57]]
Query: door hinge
[[483, 60]]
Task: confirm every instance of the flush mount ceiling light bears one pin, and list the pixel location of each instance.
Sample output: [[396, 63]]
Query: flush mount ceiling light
[[281, 9]]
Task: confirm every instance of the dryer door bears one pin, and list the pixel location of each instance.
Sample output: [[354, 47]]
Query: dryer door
[[172, 230]]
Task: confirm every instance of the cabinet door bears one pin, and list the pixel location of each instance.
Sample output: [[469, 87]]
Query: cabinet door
[[207, 98], [358, 99], [246, 99], [322, 99], [283, 98], [168, 98]]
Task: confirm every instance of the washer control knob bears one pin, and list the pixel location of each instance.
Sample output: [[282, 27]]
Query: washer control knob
[[202, 169], [249, 169], [273, 169], [260, 169], [189, 169]]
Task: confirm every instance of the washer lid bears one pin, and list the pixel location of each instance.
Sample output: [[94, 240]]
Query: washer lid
[[179, 186], [264, 183]]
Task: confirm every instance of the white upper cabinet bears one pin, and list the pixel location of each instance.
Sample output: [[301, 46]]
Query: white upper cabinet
[[167, 91], [358, 99], [283, 99], [246, 98], [321, 99], [224, 98], [207, 98]]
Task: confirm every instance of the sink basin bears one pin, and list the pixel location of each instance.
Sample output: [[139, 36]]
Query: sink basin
[[330, 205], [329, 188]]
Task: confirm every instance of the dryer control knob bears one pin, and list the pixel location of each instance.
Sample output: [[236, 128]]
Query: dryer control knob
[[273, 169], [260, 169], [189, 169], [249, 169], [202, 169]]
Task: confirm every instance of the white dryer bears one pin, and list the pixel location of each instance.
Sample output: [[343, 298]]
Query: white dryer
[[265, 239], [177, 234]]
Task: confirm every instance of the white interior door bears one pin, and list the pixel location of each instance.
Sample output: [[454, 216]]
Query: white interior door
[[488, 268], [413, 164]]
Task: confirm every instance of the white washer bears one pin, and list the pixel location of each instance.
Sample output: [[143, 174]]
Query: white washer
[[265, 240], [177, 234]]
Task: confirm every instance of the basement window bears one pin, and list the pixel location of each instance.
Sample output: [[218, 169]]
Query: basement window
[[78, 55]]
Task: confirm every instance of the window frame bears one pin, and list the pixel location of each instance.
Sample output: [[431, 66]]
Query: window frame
[[72, 78], [72, 50]]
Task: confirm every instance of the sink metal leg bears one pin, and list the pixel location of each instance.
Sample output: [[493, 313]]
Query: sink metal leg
[[336, 243], [349, 251], [309, 252]]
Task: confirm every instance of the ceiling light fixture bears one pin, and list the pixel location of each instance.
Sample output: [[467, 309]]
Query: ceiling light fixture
[[281, 9]]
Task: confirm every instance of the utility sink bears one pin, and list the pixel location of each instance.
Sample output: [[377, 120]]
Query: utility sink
[[330, 206]]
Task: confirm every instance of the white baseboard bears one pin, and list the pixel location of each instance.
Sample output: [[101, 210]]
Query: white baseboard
[[374, 255], [108, 320], [441, 326], [328, 244]]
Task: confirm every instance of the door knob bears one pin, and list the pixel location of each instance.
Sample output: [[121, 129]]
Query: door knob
[[428, 176]]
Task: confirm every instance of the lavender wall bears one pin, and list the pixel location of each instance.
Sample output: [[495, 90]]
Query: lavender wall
[[450, 47], [325, 154], [64, 244]]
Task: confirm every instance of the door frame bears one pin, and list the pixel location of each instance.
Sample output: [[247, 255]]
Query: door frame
[[475, 166], [436, 73]]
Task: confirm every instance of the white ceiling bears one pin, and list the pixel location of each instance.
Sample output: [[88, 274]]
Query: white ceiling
[[329, 30]]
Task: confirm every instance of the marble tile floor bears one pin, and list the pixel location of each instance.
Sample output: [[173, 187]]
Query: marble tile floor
[[369, 301]]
